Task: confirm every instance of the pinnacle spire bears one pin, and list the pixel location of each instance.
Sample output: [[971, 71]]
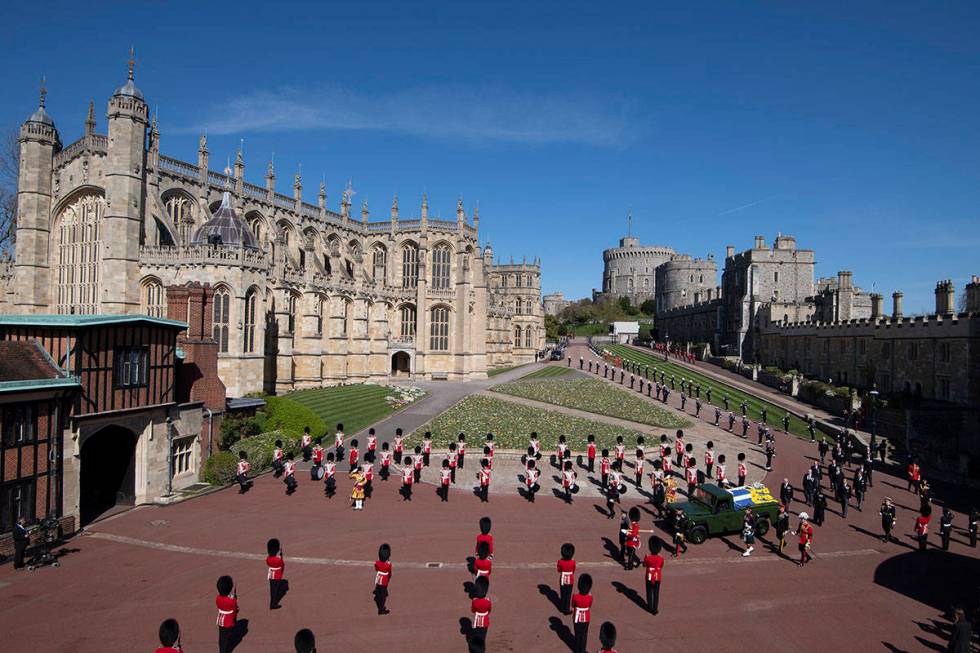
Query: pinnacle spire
[[43, 91], [132, 62]]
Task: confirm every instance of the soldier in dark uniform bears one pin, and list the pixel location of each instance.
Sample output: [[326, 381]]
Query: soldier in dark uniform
[[786, 422], [697, 390], [860, 485], [887, 512], [708, 395], [782, 527], [717, 415], [764, 413], [744, 407], [946, 527], [822, 449], [697, 407], [770, 452], [724, 398], [819, 506], [786, 492], [22, 537], [811, 429], [844, 496], [745, 426], [868, 465], [683, 400], [882, 451]]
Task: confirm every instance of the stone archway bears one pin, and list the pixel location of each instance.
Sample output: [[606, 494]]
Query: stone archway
[[107, 475], [401, 364]]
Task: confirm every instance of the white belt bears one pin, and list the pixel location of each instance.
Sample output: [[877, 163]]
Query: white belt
[[272, 571], [378, 577], [581, 614], [480, 619], [481, 572], [566, 577]]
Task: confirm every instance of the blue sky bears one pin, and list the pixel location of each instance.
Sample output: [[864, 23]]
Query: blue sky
[[853, 126]]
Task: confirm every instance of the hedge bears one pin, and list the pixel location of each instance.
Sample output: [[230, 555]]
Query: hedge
[[219, 469], [259, 448], [290, 417]]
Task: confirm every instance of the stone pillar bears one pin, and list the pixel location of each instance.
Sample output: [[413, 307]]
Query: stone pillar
[[284, 354], [877, 302], [897, 304]]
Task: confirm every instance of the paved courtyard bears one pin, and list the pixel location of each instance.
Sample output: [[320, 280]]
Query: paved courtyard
[[128, 572]]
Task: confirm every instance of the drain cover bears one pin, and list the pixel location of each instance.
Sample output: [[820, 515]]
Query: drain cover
[[160, 522], [434, 565]]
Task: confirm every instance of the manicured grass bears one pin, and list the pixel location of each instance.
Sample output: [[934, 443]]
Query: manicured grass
[[500, 370], [511, 425], [356, 406], [599, 329], [547, 372], [594, 396], [718, 390]]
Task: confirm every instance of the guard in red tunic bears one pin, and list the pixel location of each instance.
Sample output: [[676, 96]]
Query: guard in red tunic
[[566, 577], [399, 446], [382, 576], [664, 447], [408, 479], [353, 456], [227, 604], [372, 446], [306, 444], [534, 446], [169, 637], [604, 467], [482, 564], [560, 452], [453, 458], [620, 453], [426, 448], [461, 449], [914, 475], [742, 472], [720, 471], [329, 482], [485, 536], [805, 531], [531, 475], [385, 462], [922, 527], [445, 477], [481, 606], [278, 459], [679, 447], [638, 467], [417, 463], [582, 611], [277, 566], [590, 453], [289, 475], [317, 459], [241, 473], [653, 563], [568, 481], [493, 447], [484, 477], [691, 476], [709, 458], [632, 541], [368, 470], [607, 637]]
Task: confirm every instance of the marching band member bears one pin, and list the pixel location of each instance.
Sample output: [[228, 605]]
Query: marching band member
[[408, 478], [289, 472], [277, 567], [484, 478], [399, 446], [582, 605], [241, 472], [591, 453], [481, 606], [317, 458], [531, 475], [482, 565], [485, 536], [306, 444], [568, 477], [653, 563], [372, 446], [357, 492], [566, 577], [227, 605], [382, 576], [169, 634], [329, 482]]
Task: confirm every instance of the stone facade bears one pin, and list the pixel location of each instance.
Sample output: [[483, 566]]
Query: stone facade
[[555, 303], [683, 280], [514, 291], [108, 222], [630, 270]]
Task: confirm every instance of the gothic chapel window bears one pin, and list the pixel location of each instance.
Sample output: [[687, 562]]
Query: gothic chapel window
[[410, 266], [440, 267], [249, 322], [79, 256], [222, 301]]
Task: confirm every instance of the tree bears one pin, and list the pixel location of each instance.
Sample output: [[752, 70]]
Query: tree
[[649, 307], [9, 168], [625, 305], [552, 327]]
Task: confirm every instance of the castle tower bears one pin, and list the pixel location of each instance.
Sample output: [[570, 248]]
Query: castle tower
[[39, 142], [124, 176]]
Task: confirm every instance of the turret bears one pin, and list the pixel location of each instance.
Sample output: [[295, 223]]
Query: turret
[[124, 177], [365, 213], [270, 177], [239, 172], [39, 142], [394, 209], [460, 213], [90, 120], [321, 197], [945, 298], [425, 207]]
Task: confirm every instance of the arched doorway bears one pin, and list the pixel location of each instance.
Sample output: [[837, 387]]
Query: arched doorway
[[107, 476], [401, 364]]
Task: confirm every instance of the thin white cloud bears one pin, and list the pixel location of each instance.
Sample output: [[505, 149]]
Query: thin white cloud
[[748, 206], [458, 112]]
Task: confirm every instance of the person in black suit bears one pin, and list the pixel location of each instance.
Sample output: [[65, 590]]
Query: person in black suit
[[22, 537]]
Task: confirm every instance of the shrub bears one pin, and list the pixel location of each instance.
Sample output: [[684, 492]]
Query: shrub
[[219, 469], [235, 426], [290, 417], [259, 448]]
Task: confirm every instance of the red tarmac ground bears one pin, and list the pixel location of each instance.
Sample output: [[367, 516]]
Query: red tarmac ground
[[129, 572]]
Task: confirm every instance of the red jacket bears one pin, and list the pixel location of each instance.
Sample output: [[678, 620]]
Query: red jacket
[[227, 610], [482, 567], [276, 567], [566, 571], [655, 567], [382, 573], [481, 612], [485, 538], [582, 605]]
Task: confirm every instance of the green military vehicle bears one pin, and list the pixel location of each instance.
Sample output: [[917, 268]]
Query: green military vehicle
[[719, 511]]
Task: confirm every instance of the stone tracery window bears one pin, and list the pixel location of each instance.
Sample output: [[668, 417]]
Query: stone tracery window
[[380, 260], [410, 266], [152, 298], [180, 211], [439, 329], [79, 255], [441, 257], [407, 327], [517, 335], [251, 298], [527, 337], [222, 302]]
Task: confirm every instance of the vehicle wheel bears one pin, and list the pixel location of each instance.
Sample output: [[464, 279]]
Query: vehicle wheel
[[697, 535], [761, 526], [30, 567], [56, 564]]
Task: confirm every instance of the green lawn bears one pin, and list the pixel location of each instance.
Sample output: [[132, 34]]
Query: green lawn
[[594, 396], [718, 389], [500, 370], [356, 406], [600, 329], [511, 425], [547, 372]]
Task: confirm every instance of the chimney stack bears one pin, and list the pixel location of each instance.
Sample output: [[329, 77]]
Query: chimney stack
[[877, 303], [945, 296], [897, 304], [729, 251], [973, 295], [760, 242]]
